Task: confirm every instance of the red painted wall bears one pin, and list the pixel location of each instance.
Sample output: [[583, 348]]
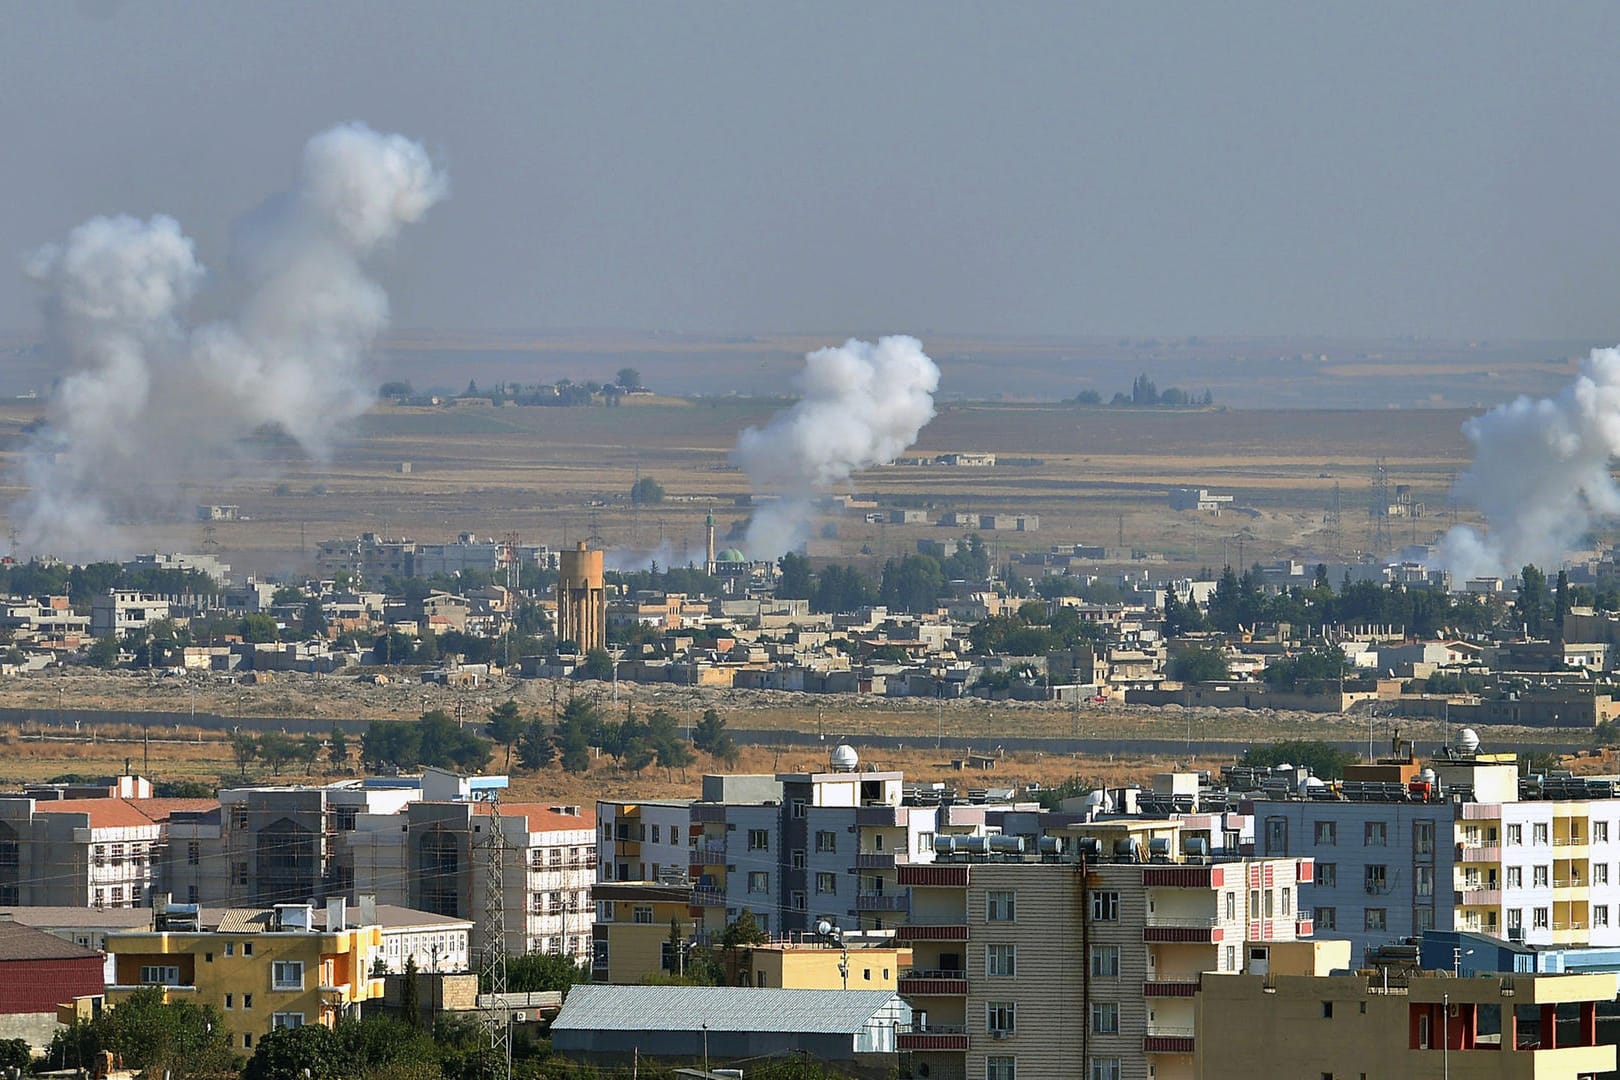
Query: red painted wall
[[38, 986]]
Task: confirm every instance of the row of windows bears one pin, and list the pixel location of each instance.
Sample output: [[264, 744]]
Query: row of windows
[[1327, 918], [1373, 834], [1005, 1067]]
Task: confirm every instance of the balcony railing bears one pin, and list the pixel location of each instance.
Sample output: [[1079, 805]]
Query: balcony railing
[[1167, 1040], [1167, 929], [926, 982], [708, 897], [879, 860], [882, 902], [1181, 987], [715, 849]]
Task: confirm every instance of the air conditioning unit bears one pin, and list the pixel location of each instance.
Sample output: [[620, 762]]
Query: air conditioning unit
[[520, 1018]]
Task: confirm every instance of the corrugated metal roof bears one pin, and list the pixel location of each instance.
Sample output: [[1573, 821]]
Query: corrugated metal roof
[[604, 1007]]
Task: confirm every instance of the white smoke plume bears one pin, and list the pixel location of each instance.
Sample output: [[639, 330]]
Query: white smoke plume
[[1540, 475], [860, 405], [144, 394]]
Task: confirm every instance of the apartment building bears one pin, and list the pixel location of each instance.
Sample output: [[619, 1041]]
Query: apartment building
[[1350, 1025], [92, 852], [261, 968], [1028, 966]]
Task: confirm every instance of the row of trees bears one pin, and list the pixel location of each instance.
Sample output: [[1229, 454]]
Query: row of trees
[[81, 583], [1144, 392], [911, 583], [278, 750], [1032, 631]]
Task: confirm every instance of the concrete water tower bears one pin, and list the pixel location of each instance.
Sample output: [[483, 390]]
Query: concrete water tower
[[581, 599]]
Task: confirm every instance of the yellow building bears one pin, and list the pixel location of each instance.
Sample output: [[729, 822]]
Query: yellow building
[[631, 938], [260, 968], [807, 966], [1418, 1026]]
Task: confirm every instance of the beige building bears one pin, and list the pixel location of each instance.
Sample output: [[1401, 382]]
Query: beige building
[[1026, 967], [582, 599], [1428, 1025]]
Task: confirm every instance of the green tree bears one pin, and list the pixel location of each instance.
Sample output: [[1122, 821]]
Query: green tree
[[1309, 670], [309, 752], [103, 652], [795, 581], [182, 1038], [540, 972], [711, 737], [1530, 602], [337, 751], [629, 378], [1200, 665], [244, 748], [15, 1054], [505, 726], [535, 747], [277, 749], [410, 1003], [394, 743], [913, 583], [258, 628], [664, 736], [598, 664], [310, 1052], [577, 728], [314, 621], [646, 491]]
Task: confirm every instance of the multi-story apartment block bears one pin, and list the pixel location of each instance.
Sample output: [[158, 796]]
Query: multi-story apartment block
[[83, 852], [1085, 961], [118, 611], [262, 969]]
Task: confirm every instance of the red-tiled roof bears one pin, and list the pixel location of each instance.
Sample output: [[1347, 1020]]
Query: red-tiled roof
[[544, 817], [115, 813]]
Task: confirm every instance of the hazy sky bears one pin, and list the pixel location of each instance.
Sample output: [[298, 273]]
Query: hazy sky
[[1437, 169]]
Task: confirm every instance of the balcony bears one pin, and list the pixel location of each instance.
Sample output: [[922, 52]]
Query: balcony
[[1479, 853], [933, 875], [705, 897], [934, 982], [709, 852], [1184, 987], [868, 901], [1304, 923], [882, 816], [937, 932], [1172, 930], [879, 860], [1167, 1040], [1478, 896], [950, 1037]]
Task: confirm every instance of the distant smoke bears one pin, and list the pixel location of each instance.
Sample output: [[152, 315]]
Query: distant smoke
[[1540, 475], [860, 405], [144, 395]]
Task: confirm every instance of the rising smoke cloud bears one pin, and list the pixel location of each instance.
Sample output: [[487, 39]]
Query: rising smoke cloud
[[860, 405], [145, 395], [1540, 475]]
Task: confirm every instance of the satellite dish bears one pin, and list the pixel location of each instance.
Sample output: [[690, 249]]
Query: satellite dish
[[824, 928]]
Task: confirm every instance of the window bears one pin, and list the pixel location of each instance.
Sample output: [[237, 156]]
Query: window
[[1539, 874], [1515, 877], [798, 808], [1515, 835], [1286, 896], [759, 840], [557, 855], [1231, 906], [798, 901], [1254, 903], [247, 948], [643, 915], [826, 882], [1539, 918], [1105, 907], [1600, 873], [230, 1001], [1423, 879], [1002, 905], [230, 948], [1375, 878], [925, 842], [247, 1038], [998, 1067], [1327, 874], [1538, 834], [1374, 834], [286, 1020], [1105, 961], [759, 881], [826, 841], [1423, 837], [1600, 832], [1327, 1010], [1001, 960], [1231, 958], [1270, 901], [1515, 919], [247, 1001], [287, 975], [193, 853], [191, 894], [1105, 1017], [1327, 918], [1276, 836], [1600, 915], [1327, 833], [1104, 1069], [1377, 919], [1001, 1017], [1423, 919], [160, 975], [797, 859]]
